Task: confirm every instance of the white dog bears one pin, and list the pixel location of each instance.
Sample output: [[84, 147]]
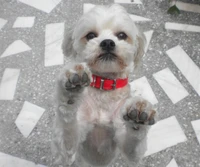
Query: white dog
[[97, 119]]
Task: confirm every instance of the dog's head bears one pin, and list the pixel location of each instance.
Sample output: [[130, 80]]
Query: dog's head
[[106, 39]]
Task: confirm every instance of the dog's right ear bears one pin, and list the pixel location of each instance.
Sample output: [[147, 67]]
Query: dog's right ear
[[67, 45]]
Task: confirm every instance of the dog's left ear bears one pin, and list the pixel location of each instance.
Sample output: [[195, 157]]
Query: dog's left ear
[[141, 42], [67, 45]]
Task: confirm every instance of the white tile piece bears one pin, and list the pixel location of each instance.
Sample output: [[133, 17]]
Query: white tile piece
[[43, 5], [136, 18], [2, 23], [141, 87], [11, 161], [129, 1], [171, 85], [165, 133], [9, 83], [182, 27], [148, 35], [53, 41], [17, 46], [188, 68], [24, 22], [196, 127], [87, 7], [172, 163], [40, 165], [28, 118], [187, 6]]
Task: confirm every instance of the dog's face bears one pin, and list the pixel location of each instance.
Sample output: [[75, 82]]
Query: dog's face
[[107, 39]]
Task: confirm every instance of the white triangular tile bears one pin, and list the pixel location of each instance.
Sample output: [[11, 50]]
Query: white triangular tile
[[17, 46], [28, 118], [11, 161], [2, 23], [43, 5], [9, 83], [136, 18], [196, 127], [141, 87], [172, 163], [148, 35]]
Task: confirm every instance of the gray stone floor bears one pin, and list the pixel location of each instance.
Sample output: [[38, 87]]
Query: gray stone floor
[[36, 83]]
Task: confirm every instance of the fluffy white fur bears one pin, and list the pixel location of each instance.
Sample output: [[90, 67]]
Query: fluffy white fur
[[90, 129]]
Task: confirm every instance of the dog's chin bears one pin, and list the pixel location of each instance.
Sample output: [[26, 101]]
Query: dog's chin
[[107, 63], [107, 57]]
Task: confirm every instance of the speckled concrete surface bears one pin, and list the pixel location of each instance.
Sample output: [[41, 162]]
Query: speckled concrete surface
[[36, 82]]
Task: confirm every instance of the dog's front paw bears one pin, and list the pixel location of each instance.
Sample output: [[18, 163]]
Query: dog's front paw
[[76, 79], [139, 111]]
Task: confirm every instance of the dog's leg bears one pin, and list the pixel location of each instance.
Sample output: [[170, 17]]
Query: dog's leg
[[137, 114], [70, 86]]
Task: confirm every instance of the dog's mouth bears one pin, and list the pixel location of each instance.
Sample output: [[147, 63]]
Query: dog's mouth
[[107, 56]]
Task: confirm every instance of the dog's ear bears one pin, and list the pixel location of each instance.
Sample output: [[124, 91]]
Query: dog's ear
[[67, 45], [141, 42]]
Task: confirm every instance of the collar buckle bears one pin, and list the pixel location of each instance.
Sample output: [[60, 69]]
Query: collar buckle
[[102, 84], [114, 84]]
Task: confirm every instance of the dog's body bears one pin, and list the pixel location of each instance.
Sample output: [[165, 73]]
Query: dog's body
[[93, 125]]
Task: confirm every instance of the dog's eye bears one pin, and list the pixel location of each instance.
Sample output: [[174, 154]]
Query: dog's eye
[[91, 35], [122, 36]]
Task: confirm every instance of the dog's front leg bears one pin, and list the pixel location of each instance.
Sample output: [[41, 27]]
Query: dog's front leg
[[137, 114], [70, 86]]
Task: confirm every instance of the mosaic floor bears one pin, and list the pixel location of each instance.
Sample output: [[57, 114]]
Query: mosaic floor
[[31, 33]]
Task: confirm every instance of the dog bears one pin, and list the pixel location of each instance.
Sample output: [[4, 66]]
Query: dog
[[97, 119]]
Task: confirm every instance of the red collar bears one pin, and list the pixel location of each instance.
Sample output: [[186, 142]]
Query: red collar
[[108, 84]]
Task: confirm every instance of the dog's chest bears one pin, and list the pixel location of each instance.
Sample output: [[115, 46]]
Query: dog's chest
[[100, 107]]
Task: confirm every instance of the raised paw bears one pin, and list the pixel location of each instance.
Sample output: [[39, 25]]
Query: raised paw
[[76, 78], [139, 112]]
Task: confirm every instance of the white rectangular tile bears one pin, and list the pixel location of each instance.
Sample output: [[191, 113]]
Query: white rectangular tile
[[165, 133], [24, 22], [187, 6], [11, 161], [141, 87], [182, 27], [53, 40], [188, 68], [17, 46], [172, 163], [196, 127], [9, 83], [171, 85], [43, 5], [129, 1], [2, 23], [28, 118], [148, 36], [136, 18]]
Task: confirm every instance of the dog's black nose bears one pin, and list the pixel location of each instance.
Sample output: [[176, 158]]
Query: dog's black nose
[[107, 45]]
